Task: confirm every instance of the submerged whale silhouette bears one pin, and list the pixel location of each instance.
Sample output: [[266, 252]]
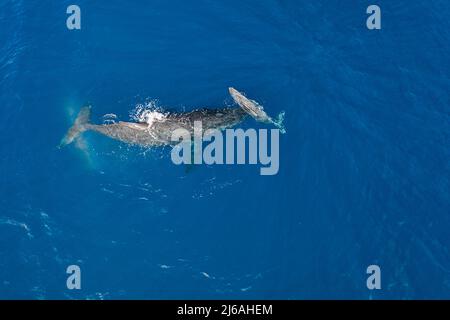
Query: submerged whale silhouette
[[159, 132]]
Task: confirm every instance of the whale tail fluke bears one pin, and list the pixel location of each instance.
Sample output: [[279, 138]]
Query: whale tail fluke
[[255, 110], [78, 127]]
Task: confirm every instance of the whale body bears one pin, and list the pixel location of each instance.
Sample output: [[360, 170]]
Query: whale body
[[159, 132]]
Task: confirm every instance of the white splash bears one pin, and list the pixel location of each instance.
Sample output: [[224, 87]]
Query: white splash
[[206, 275], [16, 223], [148, 113], [109, 118]]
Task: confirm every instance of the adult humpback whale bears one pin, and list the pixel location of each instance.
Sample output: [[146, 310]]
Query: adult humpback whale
[[159, 132]]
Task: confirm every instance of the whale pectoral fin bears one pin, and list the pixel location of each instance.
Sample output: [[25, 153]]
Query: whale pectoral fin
[[255, 110], [78, 127], [188, 167], [250, 106]]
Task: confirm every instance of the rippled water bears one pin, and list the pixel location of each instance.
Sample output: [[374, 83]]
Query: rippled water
[[364, 165]]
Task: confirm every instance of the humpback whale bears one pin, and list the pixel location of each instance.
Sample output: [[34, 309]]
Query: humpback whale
[[159, 132]]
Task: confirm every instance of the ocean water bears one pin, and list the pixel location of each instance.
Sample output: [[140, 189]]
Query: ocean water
[[364, 174]]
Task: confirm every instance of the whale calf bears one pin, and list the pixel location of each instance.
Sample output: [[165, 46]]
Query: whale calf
[[159, 132]]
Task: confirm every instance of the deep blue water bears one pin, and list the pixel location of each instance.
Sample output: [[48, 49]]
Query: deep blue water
[[364, 166]]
